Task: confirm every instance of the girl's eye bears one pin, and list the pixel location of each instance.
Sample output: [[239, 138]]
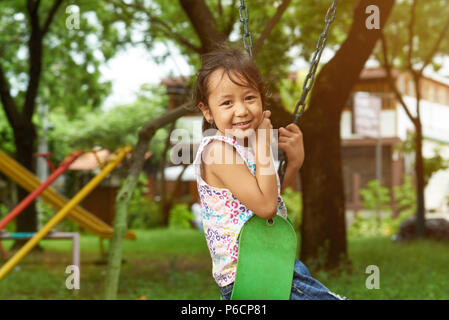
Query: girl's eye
[[250, 98], [226, 103]]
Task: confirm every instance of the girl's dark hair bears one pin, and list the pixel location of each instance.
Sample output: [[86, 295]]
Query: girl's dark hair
[[231, 60]]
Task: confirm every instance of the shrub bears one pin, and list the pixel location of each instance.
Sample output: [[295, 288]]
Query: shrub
[[376, 195], [143, 213], [46, 212], [180, 217], [293, 202], [4, 210], [405, 196]]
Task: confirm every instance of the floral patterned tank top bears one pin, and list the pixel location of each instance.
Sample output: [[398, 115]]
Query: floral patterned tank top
[[223, 215]]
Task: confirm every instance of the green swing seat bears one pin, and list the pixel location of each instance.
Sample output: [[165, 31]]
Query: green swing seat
[[267, 252]]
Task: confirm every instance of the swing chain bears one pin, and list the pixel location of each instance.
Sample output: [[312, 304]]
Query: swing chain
[[321, 44], [244, 19]]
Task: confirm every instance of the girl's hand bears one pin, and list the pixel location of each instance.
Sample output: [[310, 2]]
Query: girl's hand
[[290, 140], [265, 126]]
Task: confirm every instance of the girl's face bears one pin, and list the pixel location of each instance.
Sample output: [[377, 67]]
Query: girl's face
[[230, 105]]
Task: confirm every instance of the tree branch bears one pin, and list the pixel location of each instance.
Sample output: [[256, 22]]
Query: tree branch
[[411, 35], [32, 6], [435, 47], [204, 24], [35, 59], [231, 20], [50, 16], [170, 33], [7, 101], [271, 24], [220, 8], [387, 67], [166, 29]]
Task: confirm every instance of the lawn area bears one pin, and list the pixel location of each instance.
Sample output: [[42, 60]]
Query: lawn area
[[170, 264]]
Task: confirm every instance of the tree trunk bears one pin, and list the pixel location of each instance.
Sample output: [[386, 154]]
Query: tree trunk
[[124, 195], [24, 137], [323, 233], [419, 171]]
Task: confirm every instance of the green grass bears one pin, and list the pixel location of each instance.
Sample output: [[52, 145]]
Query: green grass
[[169, 264], [416, 270]]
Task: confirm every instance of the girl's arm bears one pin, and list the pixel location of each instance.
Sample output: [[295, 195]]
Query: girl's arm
[[265, 169], [291, 141], [258, 193]]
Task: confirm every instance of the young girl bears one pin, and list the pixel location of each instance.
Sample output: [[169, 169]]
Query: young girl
[[237, 180]]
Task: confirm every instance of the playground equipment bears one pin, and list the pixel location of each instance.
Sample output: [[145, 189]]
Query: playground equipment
[[267, 248], [74, 236], [30, 182], [64, 211], [33, 195]]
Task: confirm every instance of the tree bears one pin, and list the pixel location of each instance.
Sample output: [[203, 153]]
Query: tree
[[424, 39], [42, 59], [125, 192], [323, 228]]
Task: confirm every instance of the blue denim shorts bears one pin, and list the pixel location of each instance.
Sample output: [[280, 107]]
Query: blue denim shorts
[[304, 287]]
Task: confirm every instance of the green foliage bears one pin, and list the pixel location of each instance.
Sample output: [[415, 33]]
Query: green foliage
[[405, 196], [429, 21], [299, 28], [69, 82], [405, 206], [46, 213], [4, 210], [375, 196], [431, 165], [369, 227], [114, 128], [143, 213], [293, 202], [6, 135], [180, 217]]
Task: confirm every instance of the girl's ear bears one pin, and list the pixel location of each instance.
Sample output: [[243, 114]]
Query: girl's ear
[[205, 110]]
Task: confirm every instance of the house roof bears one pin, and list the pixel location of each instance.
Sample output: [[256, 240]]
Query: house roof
[[379, 73], [90, 161], [174, 82]]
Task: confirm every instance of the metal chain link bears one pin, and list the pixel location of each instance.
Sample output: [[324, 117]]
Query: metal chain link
[[321, 43], [308, 82], [244, 19]]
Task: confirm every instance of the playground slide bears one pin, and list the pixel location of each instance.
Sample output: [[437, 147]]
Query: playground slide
[[29, 182]]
